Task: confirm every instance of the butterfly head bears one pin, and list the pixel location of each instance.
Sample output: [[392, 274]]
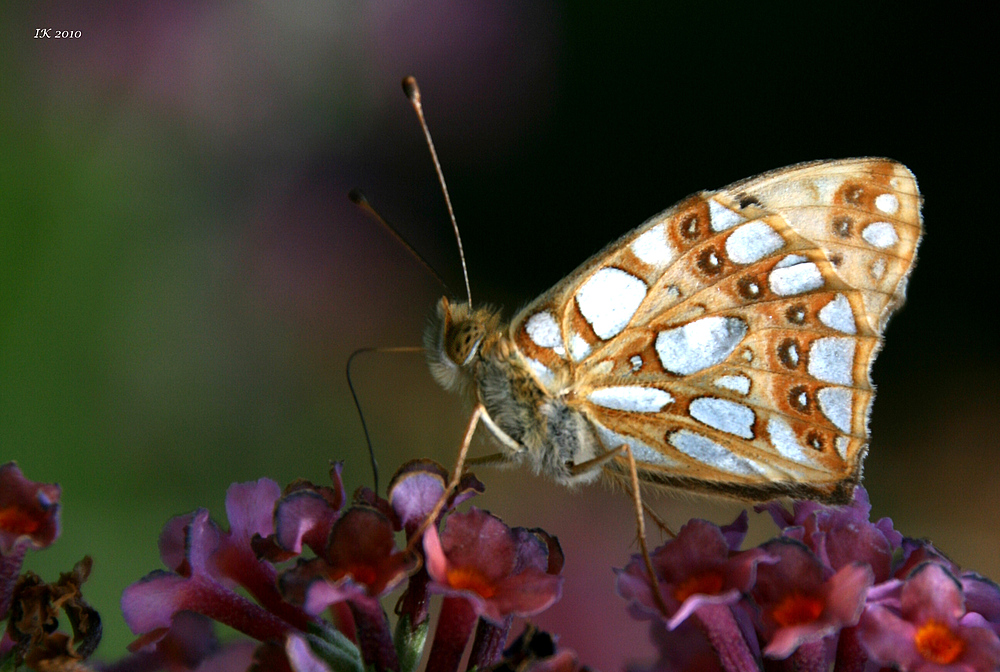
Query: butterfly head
[[453, 341]]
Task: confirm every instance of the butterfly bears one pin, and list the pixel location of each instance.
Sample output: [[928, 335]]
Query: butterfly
[[727, 342]]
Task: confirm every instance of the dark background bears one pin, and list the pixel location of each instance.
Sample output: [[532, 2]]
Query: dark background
[[182, 276]]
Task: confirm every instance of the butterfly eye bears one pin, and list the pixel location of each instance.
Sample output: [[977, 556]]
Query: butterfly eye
[[462, 341]]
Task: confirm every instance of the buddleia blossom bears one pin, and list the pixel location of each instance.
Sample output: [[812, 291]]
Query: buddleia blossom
[[308, 576], [833, 592], [318, 571]]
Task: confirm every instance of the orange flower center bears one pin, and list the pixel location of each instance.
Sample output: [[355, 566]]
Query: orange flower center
[[17, 521], [937, 643], [709, 583], [797, 609], [468, 578]]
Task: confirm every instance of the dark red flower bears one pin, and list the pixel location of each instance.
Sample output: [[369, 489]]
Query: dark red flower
[[359, 565], [695, 569], [360, 560], [486, 570], [801, 600], [29, 511], [480, 559], [930, 628], [29, 518]]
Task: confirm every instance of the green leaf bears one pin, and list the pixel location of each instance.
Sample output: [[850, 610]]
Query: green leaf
[[334, 648]]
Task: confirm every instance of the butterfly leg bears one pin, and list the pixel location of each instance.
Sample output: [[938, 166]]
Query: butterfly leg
[[640, 509], [659, 521], [456, 476], [587, 466], [488, 460], [640, 522]]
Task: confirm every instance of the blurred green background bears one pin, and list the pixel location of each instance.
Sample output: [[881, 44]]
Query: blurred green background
[[182, 277]]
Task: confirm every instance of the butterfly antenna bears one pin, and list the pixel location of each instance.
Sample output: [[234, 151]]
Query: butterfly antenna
[[359, 199], [357, 404], [413, 93]]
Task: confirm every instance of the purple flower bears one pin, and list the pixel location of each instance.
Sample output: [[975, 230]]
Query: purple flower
[[699, 573], [917, 552], [500, 571], [304, 515], [695, 569], [358, 565], [929, 628], [208, 564], [190, 643], [486, 569], [414, 491], [982, 596], [360, 560], [842, 535], [800, 600], [150, 605], [417, 486]]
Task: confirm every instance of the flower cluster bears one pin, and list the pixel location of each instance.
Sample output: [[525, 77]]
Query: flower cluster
[[304, 572], [833, 591], [324, 611]]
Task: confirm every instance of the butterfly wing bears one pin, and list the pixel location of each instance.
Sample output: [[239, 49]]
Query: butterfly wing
[[729, 339]]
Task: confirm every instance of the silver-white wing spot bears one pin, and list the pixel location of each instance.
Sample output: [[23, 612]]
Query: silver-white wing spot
[[722, 217], [709, 452], [838, 315], [543, 329], [752, 241], [609, 299], [640, 451], [699, 344], [636, 362], [789, 351], [724, 415], [543, 372], [791, 260], [578, 347], [739, 384], [837, 404], [831, 359], [652, 247], [880, 234], [631, 398], [878, 268], [797, 279], [841, 443], [786, 443], [887, 203]]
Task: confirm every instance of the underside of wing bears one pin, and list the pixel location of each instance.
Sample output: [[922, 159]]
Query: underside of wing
[[729, 339]]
